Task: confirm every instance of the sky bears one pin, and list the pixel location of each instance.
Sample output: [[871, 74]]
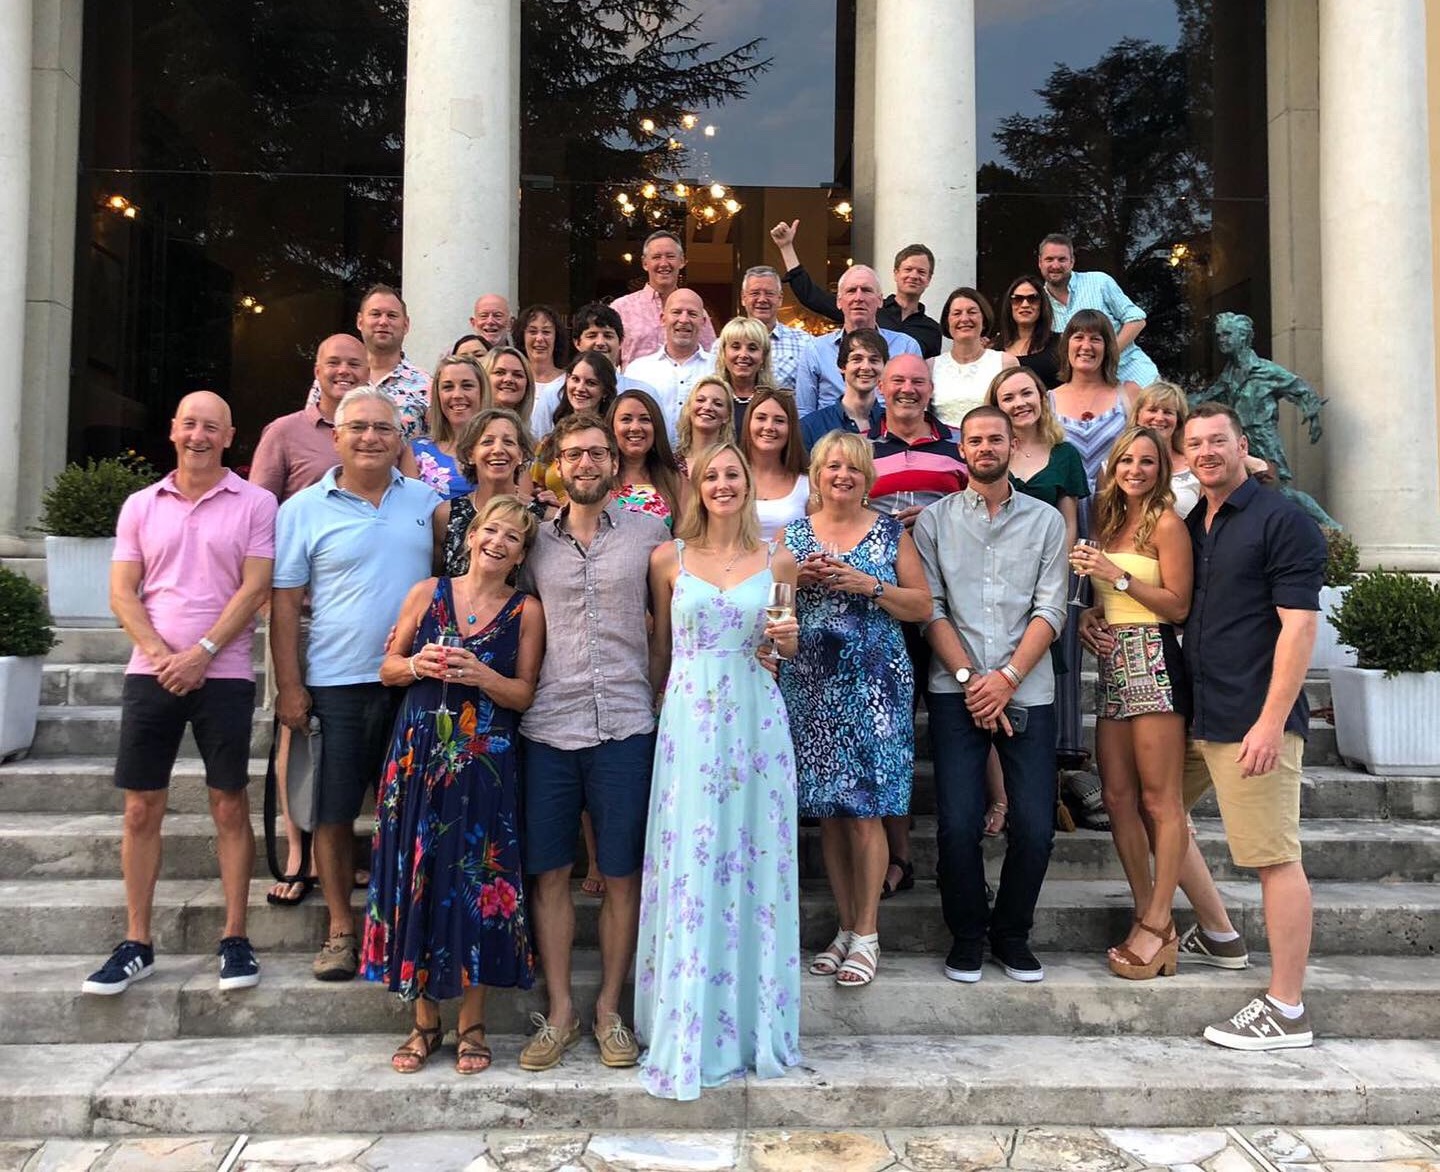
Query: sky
[[782, 134]]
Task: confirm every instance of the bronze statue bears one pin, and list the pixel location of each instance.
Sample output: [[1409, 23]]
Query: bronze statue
[[1253, 387]]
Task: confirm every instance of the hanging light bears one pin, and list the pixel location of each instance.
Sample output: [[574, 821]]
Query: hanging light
[[647, 125], [681, 190], [732, 206], [689, 121], [649, 191], [717, 191], [710, 131]]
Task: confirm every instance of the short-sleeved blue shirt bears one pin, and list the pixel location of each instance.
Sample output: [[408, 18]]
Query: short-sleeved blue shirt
[[1261, 553], [359, 562]]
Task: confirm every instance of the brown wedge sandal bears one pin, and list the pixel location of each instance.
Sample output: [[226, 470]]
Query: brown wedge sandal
[[472, 1055], [1129, 966], [415, 1050]]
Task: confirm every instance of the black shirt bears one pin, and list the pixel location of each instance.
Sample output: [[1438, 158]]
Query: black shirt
[[1261, 553], [925, 330]]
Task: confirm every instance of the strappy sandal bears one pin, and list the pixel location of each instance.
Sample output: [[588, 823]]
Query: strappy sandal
[[861, 961], [907, 877], [993, 827], [416, 1049], [828, 960], [1124, 963], [471, 1056]]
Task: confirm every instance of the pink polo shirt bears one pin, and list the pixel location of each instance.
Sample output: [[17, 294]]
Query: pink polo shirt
[[193, 554], [645, 328], [294, 452]]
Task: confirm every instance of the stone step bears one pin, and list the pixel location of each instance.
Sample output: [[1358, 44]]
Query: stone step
[[110, 645], [68, 730], [297, 1084], [82, 784], [87, 846], [1348, 996], [32, 568], [83, 916]]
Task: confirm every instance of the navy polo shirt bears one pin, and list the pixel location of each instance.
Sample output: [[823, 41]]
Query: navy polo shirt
[[1262, 552], [833, 417]]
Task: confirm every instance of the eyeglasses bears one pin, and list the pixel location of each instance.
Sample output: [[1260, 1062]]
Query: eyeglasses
[[1024, 299], [575, 455], [380, 429]]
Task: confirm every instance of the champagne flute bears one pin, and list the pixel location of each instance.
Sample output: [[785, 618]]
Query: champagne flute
[[830, 551], [779, 606], [444, 725], [904, 500], [1081, 575]]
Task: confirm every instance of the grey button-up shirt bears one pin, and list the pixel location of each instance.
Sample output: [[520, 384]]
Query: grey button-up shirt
[[989, 577], [594, 681]]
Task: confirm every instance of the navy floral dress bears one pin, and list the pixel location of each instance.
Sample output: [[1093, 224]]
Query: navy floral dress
[[849, 690], [446, 907]]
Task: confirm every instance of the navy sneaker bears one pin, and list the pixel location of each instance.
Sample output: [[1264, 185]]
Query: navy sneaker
[[131, 961], [963, 963], [238, 967], [1017, 960]]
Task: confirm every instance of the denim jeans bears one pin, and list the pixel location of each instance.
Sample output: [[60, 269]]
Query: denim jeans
[[1028, 759]]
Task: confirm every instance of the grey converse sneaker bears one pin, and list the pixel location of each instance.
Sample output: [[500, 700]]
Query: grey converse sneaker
[[1229, 954], [1260, 1026]]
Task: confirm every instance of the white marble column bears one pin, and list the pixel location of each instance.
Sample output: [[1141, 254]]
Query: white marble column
[[1377, 287], [462, 165], [15, 58], [925, 148]]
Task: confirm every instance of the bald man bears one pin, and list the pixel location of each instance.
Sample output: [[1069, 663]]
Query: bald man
[[819, 381], [673, 369], [491, 319], [192, 563], [297, 449]]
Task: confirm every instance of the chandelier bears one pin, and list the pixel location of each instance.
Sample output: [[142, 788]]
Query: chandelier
[[699, 195]]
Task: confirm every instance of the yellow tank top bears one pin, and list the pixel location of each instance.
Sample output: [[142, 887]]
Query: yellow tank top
[[1122, 609]]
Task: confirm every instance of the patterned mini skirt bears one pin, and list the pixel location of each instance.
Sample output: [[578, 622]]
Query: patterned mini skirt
[[1143, 674]]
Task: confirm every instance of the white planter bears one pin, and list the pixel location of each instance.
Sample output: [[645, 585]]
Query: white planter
[[1389, 726], [19, 702], [1329, 651], [77, 580]]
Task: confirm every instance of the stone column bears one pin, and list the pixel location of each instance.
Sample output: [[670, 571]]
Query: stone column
[[462, 165], [15, 56], [50, 268], [1376, 280], [925, 134]]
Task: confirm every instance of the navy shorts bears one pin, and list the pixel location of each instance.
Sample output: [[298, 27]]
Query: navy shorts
[[355, 725], [611, 780], [152, 723]]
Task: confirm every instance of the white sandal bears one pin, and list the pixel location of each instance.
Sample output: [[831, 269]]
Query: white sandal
[[860, 962], [827, 962]]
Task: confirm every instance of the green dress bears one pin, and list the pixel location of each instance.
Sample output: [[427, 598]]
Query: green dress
[[1064, 475]]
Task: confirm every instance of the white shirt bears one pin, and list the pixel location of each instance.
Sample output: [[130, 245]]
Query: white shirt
[[775, 515], [959, 386], [671, 379]]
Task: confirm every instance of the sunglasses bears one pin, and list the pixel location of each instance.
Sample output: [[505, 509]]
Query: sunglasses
[[1024, 299]]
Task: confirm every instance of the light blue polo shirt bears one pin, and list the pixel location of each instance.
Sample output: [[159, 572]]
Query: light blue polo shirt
[[359, 562]]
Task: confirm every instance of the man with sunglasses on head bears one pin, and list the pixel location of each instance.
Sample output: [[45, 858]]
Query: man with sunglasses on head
[[355, 542]]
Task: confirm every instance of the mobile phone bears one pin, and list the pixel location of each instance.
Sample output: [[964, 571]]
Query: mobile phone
[[1017, 716]]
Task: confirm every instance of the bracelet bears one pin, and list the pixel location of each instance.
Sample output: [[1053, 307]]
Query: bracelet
[[413, 672], [1011, 674]]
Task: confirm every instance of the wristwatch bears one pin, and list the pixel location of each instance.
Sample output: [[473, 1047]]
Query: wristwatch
[[963, 676], [207, 646], [1122, 583], [878, 589]]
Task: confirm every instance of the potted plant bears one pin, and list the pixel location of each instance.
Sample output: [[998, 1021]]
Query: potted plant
[[78, 514], [25, 637], [1342, 563], [1387, 708]]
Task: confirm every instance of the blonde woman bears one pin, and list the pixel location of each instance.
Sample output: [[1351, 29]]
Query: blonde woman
[[850, 689], [512, 385], [717, 984], [742, 359], [458, 389], [1142, 569], [707, 418]]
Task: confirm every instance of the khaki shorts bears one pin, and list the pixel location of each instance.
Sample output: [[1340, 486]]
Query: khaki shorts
[[1261, 814]]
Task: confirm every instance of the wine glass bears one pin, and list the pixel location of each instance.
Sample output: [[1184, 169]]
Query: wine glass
[[779, 606], [904, 500], [830, 551], [444, 724], [1081, 575]]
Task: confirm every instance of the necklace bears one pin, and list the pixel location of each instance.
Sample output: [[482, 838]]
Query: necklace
[[735, 557], [470, 617]]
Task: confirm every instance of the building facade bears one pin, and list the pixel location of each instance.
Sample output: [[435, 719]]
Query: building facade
[[420, 162]]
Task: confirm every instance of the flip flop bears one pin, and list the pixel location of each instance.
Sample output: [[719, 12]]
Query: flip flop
[[306, 883], [362, 879]]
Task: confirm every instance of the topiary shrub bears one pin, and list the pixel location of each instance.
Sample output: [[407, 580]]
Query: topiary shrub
[[85, 499], [1342, 558], [1393, 622], [24, 619]]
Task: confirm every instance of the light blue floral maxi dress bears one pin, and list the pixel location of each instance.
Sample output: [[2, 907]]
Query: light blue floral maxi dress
[[717, 987]]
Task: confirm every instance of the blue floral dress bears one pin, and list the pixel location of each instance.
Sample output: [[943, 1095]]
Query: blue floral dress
[[717, 987], [850, 688], [439, 471], [446, 907]]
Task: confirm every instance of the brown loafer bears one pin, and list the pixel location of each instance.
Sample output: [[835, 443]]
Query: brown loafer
[[338, 959], [617, 1044], [548, 1046]]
